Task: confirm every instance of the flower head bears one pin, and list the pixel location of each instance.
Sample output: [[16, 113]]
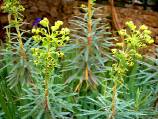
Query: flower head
[[131, 25], [44, 22], [58, 23], [150, 41], [114, 51], [143, 27], [65, 31], [122, 32]]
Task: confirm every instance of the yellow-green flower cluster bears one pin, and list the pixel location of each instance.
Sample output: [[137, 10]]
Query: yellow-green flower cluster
[[39, 54], [118, 72], [128, 52], [45, 60], [124, 60], [12, 7], [54, 35], [50, 38], [136, 37]]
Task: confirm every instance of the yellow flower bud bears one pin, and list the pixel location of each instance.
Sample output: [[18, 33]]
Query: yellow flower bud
[[114, 51], [130, 64], [21, 8], [147, 32], [67, 39], [44, 22], [60, 54], [122, 32], [150, 41], [131, 25], [54, 28], [143, 27], [65, 31], [58, 23], [33, 30]]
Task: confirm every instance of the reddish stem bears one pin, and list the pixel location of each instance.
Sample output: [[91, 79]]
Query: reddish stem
[[89, 22]]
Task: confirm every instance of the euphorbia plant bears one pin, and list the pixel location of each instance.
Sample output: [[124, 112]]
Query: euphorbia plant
[[127, 54], [16, 50], [88, 51], [15, 70], [50, 98], [47, 55]]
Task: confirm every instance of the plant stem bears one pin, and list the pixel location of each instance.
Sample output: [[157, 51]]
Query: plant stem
[[46, 89], [46, 80], [86, 72], [114, 98], [22, 51], [89, 38], [8, 31], [89, 22]]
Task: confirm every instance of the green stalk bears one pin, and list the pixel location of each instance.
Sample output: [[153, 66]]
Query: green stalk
[[47, 76], [89, 22], [89, 36], [46, 85], [22, 51], [114, 98], [8, 31]]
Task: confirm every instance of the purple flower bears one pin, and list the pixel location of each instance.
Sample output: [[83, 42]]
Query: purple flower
[[36, 21]]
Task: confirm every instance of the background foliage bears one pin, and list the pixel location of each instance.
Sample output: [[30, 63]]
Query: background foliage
[[81, 73]]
